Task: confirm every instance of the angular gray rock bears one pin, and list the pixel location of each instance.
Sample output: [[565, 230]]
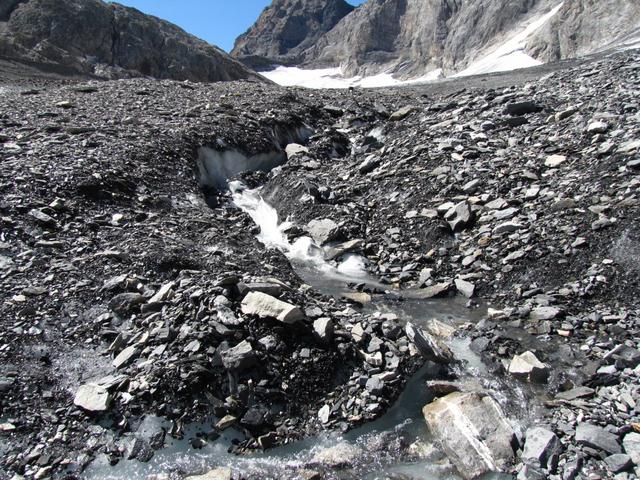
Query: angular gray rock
[[527, 366], [598, 438], [429, 347], [338, 457], [323, 328], [93, 398], [473, 432], [541, 445], [222, 473], [266, 306], [631, 443], [323, 231], [240, 357], [109, 40]]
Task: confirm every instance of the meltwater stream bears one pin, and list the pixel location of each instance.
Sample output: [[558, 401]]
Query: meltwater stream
[[403, 418]]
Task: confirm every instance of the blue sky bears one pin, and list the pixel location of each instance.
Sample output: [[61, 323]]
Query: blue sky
[[216, 21]]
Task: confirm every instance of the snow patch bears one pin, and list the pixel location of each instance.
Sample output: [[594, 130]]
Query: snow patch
[[510, 55], [630, 44], [334, 78]]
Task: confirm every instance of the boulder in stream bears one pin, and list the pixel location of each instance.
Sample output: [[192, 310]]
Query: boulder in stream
[[473, 431], [429, 347], [216, 474], [528, 367]]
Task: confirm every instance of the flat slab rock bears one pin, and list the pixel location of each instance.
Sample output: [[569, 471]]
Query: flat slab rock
[[473, 431], [598, 438], [216, 474], [266, 306], [92, 398]]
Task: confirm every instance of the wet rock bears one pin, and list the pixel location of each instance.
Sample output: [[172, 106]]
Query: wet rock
[[216, 474], [335, 251], [527, 367], [576, 393], [433, 291], [323, 231], [542, 446], [358, 297], [429, 347], [466, 288], [266, 306], [240, 357], [597, 437], [139, 450], [226, 422], [473, 431], [340, 456], [93, 398]]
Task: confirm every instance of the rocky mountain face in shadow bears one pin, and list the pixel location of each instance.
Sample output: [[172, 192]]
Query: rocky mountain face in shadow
[[108, 40], [412, 37], [287, 29]]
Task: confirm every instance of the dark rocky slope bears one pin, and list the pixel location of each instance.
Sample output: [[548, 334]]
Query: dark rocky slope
[[286, 29], [524, 187], [108, 40]]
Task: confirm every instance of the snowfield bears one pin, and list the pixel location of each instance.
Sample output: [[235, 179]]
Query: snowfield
[[333, 78], [508, 56]]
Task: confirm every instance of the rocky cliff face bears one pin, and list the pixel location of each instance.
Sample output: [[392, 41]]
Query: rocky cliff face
[[108, 40], [413, 37], [584, 26], [287, 29]]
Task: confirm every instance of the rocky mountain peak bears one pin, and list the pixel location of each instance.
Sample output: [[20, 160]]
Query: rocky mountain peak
[[286, 29]]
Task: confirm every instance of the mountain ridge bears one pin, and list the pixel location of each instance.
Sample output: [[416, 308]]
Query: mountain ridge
[[109, 40], [410, 38]]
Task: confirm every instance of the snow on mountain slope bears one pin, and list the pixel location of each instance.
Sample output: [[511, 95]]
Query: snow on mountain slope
[[333, 78], [511, 55]]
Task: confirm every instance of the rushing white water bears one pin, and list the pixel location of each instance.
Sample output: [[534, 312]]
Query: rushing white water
[[350, 267]]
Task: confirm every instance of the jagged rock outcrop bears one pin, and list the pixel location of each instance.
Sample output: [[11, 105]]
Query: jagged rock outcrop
[[287, 29], [108, 40], [410, 38], [585, 26]]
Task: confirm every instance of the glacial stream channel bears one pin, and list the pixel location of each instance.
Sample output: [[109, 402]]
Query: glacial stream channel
[[518, 400]]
